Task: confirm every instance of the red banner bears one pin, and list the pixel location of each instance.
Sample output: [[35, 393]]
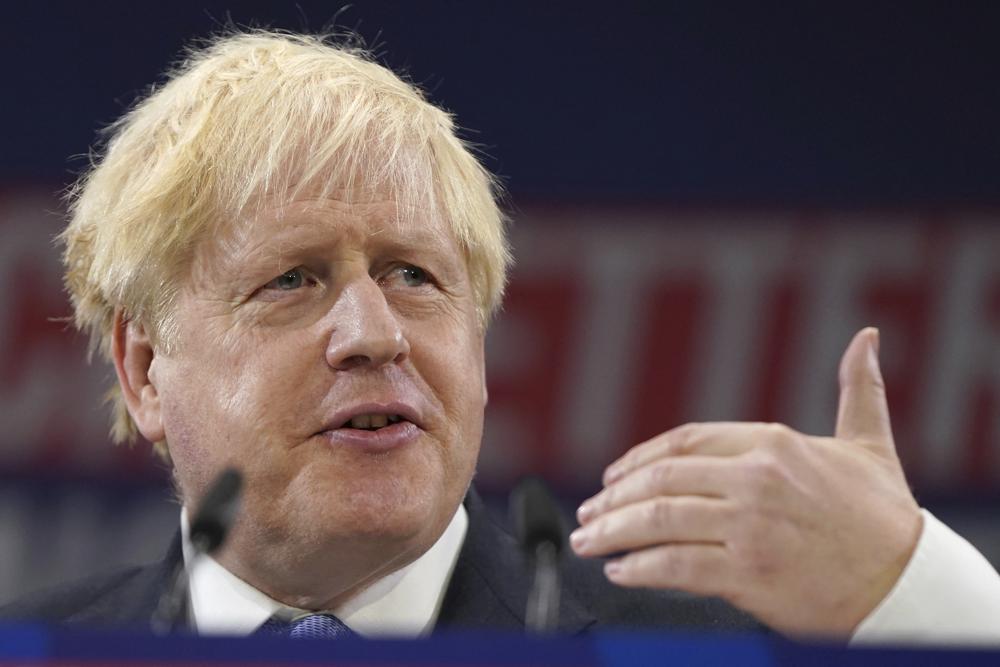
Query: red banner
[[619, 324]]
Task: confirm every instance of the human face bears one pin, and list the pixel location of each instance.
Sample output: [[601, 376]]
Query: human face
[[291, 324]]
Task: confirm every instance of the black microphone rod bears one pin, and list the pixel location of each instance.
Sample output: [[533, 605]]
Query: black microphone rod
[[539, 528], [207, 532]]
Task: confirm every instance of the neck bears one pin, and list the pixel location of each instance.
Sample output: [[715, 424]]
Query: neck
[[328, 581]]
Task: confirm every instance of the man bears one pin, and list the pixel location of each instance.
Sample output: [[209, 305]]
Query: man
[[291, 261]]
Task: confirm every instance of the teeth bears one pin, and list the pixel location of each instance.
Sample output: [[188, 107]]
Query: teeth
[[361, 421], [374, 421]]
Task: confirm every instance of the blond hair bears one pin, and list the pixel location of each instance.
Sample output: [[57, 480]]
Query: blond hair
[[247, 116]]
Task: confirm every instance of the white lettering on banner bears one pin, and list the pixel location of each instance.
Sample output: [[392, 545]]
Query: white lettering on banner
[[739, 273], [620, 324], [963, 372], [598, 381], [836, 269], [814, 283]]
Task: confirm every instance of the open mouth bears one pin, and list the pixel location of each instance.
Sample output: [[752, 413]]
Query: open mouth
[[372, 422], [374, 428]]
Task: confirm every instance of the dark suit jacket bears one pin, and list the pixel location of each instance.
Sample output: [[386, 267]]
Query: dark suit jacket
[[488, 590]]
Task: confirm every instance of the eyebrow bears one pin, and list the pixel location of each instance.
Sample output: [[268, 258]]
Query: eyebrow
[[302, 236], [420, 239]]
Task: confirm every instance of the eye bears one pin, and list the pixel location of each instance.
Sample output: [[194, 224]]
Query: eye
[[289, 280], [414, 276]]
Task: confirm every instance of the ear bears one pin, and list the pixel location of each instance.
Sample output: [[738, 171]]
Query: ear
[[133, 355]]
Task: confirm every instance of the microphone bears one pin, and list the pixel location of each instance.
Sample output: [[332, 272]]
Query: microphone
[[217, 512], [538, 527], [207, 532]]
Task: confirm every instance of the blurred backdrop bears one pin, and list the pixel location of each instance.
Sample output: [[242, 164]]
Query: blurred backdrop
[[708, 199]]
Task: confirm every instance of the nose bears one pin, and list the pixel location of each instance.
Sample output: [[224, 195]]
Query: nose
[[366, 332]]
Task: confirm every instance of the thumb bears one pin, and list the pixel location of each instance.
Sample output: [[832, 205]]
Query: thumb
[[863, 413]]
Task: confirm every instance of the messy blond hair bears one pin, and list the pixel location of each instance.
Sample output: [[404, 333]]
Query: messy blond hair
[[249, 116]]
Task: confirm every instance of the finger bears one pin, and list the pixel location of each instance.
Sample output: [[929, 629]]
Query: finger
[[670, 476], [863, 413], [656, 521], [707, 439], [701, 569]]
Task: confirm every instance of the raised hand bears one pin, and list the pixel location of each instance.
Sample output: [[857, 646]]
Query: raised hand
[[807, 533]]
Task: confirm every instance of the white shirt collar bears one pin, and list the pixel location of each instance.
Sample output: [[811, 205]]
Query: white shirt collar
[[403, 604]]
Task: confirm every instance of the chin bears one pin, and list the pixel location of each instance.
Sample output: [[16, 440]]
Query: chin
[[408, 510], [385, 505]]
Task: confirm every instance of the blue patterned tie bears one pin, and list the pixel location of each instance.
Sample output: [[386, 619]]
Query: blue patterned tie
[[313, 626]]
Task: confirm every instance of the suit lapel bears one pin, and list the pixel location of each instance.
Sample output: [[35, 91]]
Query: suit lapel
[[134, 598]]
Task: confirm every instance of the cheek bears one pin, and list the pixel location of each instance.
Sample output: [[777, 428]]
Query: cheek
[[458, 379], [185, 425], [451, 361], [218, 404]]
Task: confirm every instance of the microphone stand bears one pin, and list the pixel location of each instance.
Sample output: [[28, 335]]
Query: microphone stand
[[542, 615], [208, 532], [171, 612], [539, 529]]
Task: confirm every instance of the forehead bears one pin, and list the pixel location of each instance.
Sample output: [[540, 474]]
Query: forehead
[[357, 217]]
